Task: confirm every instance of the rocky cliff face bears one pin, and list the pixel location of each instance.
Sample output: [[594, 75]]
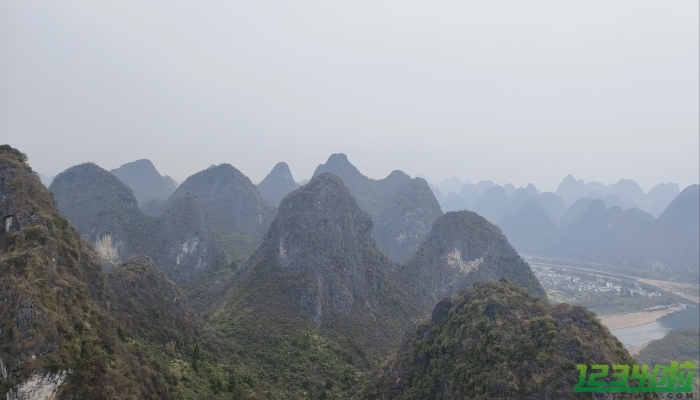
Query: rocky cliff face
[[407, 219], [317, 292], [181, 241], [397, 204], [236, 213], [495, 341], [463, 248], [320, 246], [217, 223], [102, 208], [277, 184], [145, 181], [56, 337]]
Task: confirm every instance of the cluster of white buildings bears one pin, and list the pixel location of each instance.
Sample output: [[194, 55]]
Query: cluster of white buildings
[[563, 281]]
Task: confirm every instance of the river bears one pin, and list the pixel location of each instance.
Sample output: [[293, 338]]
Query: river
[[638, 335]]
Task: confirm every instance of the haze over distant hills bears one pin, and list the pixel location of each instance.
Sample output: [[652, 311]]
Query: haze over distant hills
[[219, 294], [403, 209], [277, 184], [145, 181]]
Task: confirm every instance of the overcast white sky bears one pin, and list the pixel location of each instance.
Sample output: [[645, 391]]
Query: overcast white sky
[[509, 91]]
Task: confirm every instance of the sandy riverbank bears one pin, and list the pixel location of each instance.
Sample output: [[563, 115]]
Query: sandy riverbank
[[619, 321]]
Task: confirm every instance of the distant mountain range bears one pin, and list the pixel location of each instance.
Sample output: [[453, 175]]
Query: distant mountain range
[[590, 230], [402, 208], [567, 225], [214, 292]]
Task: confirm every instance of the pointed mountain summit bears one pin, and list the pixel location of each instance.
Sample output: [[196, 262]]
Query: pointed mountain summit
[[318, 283], [531, 230], [371, 194], [463, 248], [320, 248], [277, 184], [102, 208], [389, 203], [570, 189], [495, 341], [145, 181], [407, 219]]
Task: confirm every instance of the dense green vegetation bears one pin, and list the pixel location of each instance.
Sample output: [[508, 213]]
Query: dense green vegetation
[[120, 334], [676, 346], [495, 341]]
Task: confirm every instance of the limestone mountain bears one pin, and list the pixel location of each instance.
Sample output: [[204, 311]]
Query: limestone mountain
[[463, 248], [469, 193], [600, 233], [371, 195], [453, 202], [46, 180], [145, 181], [453, 184], [377, 197], [495, 341], [235, 212], [574, 212], [102, 208], [57, 338], [570, 189], [181, 241], [660, 196], [531, 230], [551, 204], [492, 204], [407, 219], [671, 243], [629, 193], [317, 292], [277, 184]]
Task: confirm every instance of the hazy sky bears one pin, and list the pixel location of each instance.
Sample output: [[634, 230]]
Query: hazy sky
[[509, 91]]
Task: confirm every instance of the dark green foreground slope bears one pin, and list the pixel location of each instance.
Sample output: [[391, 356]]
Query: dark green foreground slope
[[495, 342], [75, 332]]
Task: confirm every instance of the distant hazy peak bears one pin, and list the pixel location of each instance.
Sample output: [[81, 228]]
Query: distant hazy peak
[[277, 184], [532, 189], [145, 181], [339, 164]]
